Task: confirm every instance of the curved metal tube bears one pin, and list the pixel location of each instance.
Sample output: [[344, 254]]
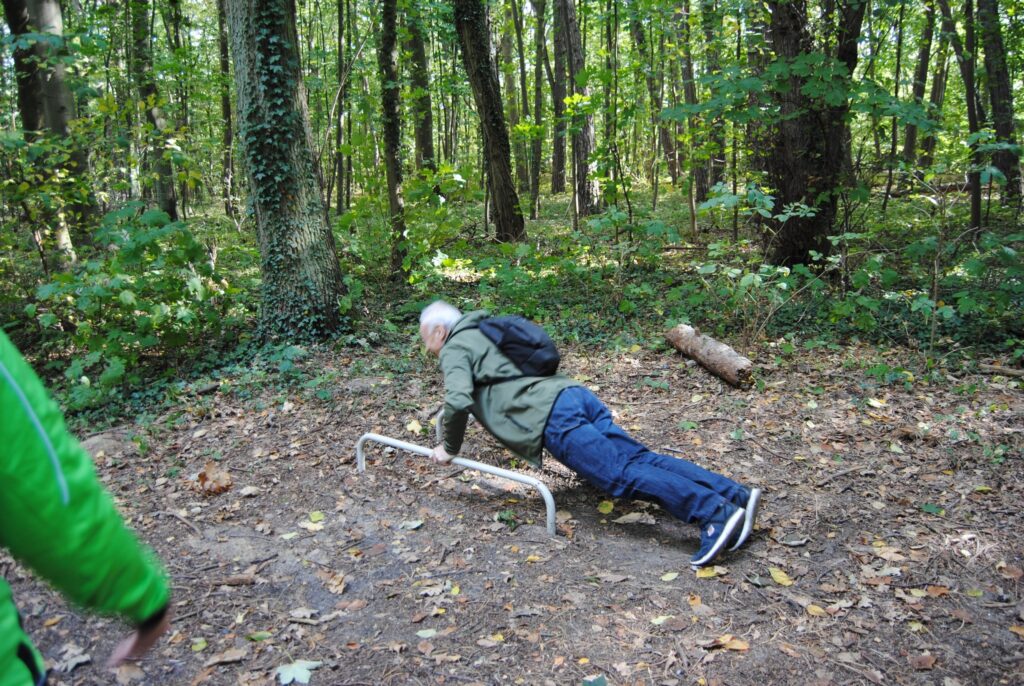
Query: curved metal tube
[[549, 502]]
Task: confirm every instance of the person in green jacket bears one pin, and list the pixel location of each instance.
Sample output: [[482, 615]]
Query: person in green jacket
[[56, 519], [530, 413]]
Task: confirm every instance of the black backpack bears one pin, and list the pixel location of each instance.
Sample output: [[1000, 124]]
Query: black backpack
[[525, 343]]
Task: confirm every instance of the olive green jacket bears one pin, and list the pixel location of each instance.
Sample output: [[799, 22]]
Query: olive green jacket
[[480, 380], [57, 519]]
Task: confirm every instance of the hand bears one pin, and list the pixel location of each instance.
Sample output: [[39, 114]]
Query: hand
[[136, 645], [440, 455]]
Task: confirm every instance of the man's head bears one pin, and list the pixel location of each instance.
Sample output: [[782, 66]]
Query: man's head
[[436, 321]]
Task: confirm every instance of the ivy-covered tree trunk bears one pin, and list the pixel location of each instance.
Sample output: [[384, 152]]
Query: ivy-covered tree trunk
[[142, 75], [1000, 96], [587, 193], [44, 103], [810, 150], [391, 116], [474, 37], [301, 275], [423, 124]]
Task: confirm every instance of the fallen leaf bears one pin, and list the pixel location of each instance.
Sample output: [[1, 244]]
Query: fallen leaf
[[414, 427], [213, 479], [199, 645], [780, 577], [228, 657], [312, 526], [298, 672], [411, 524], [937, 591], [427, 633], [258, 636], [924, 661], [249, 491], [712, 572], [605, 506], [816, 611], [670, 576], [1019, 630], [129, 673], [661, 619], [635, 518], [1009, 571]]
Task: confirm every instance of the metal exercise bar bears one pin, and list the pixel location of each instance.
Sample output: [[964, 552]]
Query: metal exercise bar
[[549, 502]]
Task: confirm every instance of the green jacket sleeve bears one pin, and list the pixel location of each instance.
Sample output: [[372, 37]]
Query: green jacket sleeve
[[456, 365], [55, 517]]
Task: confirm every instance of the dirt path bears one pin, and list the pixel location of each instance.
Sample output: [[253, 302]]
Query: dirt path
[[889, 550]]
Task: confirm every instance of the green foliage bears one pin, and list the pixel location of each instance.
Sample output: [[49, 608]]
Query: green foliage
[[151, 289]]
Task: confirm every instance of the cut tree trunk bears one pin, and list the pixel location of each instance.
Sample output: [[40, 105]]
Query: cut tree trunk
[[716, 357]]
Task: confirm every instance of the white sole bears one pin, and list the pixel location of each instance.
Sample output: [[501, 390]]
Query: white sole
[[723, 538], [753, 504]]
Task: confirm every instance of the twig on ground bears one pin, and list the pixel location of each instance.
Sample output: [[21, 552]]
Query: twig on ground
[[181, 519]]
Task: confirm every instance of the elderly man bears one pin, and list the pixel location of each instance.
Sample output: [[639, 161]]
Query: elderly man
[[530, 413]]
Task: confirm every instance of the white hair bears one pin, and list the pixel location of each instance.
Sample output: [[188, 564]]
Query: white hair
[[440, 313]]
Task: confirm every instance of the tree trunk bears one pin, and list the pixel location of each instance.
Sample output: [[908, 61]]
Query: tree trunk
[[508, 74], [142, 75], [558, 93], [423, 113], [891, 159], [301, 275], [475, 39], [718, 358], [522, 168], [699, 183], [1000, 96], [920, 81], [587, 193], [228, 165], [636, 28], [711, 23], [537, 140], [391, 118], [810, 152], [44, 103], [936, 99], [966, 59]]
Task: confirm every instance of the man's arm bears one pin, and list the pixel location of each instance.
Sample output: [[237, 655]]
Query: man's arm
[[54, 514], [458, 395]]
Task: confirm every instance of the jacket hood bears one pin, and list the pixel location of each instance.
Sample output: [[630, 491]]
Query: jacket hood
[[470, 320]]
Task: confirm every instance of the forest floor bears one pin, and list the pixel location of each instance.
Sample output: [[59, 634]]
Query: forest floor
[[889, 549]]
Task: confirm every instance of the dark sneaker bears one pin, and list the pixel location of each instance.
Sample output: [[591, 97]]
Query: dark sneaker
[[716, 533], [750, 509]]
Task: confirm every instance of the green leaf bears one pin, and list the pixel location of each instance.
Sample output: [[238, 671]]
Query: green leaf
[[933, 509], [259, 636]]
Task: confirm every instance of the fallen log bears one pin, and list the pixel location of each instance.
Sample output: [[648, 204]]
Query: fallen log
[[716, 357]]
